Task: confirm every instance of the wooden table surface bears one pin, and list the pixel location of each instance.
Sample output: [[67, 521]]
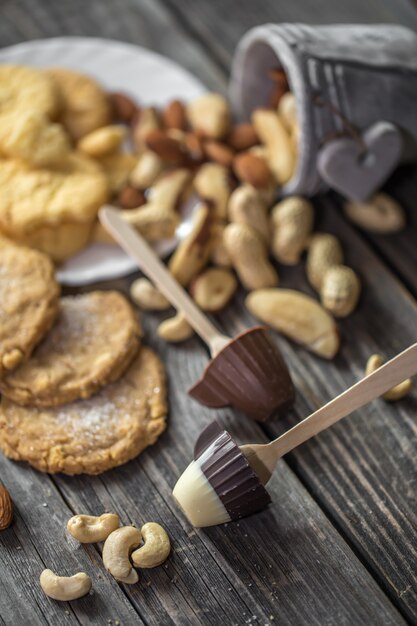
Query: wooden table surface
[[339, 543]]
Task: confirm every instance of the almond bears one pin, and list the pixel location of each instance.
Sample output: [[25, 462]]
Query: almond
[[219, 152], [279, 78], [6, 508], [130, 198], [168, 149], [194, 146], [252, 169], [174, 115], [243, 137], [124, 109]]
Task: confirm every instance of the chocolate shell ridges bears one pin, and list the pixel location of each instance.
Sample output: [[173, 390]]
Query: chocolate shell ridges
[[232, 478], [249, 374]]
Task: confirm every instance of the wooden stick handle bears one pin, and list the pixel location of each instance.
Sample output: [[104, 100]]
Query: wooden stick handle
[[403, 366], [136, 247]]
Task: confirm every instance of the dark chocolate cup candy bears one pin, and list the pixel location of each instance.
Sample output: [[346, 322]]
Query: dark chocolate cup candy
[[250, 374], [229, 473]]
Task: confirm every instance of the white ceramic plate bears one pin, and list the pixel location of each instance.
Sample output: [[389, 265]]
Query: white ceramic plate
[[150, 79]]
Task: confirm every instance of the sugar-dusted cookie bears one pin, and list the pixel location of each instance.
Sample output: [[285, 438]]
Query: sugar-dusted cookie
[[29, 297], [51, 209], [94, 435], [32, 137], [27, 89], [85, 106], [92, 343]]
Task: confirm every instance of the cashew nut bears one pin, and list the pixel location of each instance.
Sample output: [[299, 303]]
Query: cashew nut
[[65, 588], [175, 329], [340, 290], [381, 214], [168, 191], [287, 110], [147, 297], [274, 135], [102, 141], [156, 549], [249, 257], [193, 252], [212, 184], [153, 222], [210, 115], [116, 552], [147, 170], [92, 529], [396, 393], [292, 222], [324, 251], [213, 289]]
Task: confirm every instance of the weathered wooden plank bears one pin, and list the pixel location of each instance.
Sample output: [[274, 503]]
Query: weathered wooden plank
[[220, 25], [37, 540], [287, 562], [144, 23], [362, 471]]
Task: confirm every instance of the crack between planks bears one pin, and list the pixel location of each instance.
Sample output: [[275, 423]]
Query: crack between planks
[[95, 547]]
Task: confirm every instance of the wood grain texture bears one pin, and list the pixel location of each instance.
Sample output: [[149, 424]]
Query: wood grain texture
[[363, 470], [289, 562]]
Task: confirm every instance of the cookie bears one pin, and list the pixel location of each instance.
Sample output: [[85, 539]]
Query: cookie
[[29, 297], [92, 343], [32, 137], [117, 168], [27, 89], [35, 204], [94, 435], [85, 106]]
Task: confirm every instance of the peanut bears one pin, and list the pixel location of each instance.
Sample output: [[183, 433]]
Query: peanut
[[246, 206], [193, 253], [324, 251], [219, 255], [396, 393], [147, 297], [340, 290], [213, 289], [213, 185], [210, 115], [249, 257], [298, 316], [102, 141], [175, 329], [274, 135], [381, 214], [292, 222]]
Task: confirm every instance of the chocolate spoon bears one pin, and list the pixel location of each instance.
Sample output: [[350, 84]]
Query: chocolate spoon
[[225, 482], [247, 372]]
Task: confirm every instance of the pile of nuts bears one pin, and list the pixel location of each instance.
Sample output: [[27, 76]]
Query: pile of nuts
[[236, 172], [121, 553]]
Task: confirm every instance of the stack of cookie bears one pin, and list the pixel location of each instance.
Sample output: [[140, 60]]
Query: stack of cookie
[[50, 189], [79, 392]]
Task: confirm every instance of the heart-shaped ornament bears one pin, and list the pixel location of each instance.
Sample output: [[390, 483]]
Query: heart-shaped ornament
[[357, 174]]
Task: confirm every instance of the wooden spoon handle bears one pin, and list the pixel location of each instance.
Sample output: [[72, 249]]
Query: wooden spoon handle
[[136, 247], [403, 366]]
